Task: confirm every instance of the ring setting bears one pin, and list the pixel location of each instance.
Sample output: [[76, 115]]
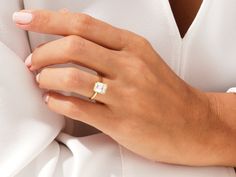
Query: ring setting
[[99, 88]]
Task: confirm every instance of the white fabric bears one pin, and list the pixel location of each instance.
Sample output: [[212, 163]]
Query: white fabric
[[204, 58]]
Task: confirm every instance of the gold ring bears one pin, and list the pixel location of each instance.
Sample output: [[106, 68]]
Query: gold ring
[[99, 88]]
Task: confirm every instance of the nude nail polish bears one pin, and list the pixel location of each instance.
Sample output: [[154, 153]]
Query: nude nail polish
[[22, 17], [46, 98], [28, 61], [38, 77]]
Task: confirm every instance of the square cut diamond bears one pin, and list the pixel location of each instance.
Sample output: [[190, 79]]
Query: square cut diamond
[[100, 88]]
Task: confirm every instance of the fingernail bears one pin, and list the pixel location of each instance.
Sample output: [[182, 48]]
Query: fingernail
[[46, 98], [38, 77], [28, 61], [22, 17], [232, 90]]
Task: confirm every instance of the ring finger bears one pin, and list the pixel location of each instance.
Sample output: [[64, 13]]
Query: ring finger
[[71, 80]]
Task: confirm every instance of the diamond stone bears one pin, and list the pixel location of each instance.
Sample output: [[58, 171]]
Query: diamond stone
[[100, 88]]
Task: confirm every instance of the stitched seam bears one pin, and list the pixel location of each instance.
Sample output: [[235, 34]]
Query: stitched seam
[[177, 40]]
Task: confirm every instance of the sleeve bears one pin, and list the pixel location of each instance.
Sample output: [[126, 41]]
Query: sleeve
[[99, 155]]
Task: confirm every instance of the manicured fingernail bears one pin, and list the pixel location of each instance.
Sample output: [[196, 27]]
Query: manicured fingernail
[[22, 17], [28, 61], [46, 98], [38, 77], [232, 90]]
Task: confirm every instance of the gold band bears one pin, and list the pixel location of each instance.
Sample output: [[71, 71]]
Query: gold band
[[93, 96]]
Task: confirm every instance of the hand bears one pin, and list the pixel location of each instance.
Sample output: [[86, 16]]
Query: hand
[[147, 107]]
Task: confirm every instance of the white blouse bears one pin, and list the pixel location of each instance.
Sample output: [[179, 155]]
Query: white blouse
[[205, 58]]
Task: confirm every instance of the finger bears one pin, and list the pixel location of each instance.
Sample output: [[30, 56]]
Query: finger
[[74, 49], [67, 23], [96, 115], [71, 80]]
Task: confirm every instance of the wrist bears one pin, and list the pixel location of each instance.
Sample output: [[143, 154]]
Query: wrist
[[222, 113]]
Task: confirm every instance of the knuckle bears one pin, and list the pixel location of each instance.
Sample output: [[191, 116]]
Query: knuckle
[[135, 66], [139, 42], [126, 92], [123, 37], [143, 41], [129, 94], [74, 44], [139, 65], [43, 18], [81, 23]]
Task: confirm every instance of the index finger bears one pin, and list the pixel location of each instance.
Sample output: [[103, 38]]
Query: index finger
[[68, 23]]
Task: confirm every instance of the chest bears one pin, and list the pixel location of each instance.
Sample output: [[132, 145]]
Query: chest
[[184, 12]]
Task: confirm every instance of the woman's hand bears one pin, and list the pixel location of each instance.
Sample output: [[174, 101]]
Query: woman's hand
[[147, 108]]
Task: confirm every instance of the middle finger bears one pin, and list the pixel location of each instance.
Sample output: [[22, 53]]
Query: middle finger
[[77, 50]]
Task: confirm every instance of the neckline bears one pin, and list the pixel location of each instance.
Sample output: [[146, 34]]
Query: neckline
[[188, 32]]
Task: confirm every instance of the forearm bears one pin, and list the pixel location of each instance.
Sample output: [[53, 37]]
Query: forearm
[[223, 110]]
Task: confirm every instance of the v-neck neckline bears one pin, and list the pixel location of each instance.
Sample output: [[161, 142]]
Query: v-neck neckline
[[188, 32]]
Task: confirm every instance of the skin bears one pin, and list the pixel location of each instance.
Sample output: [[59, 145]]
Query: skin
[[185, 11], [147, 108]]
